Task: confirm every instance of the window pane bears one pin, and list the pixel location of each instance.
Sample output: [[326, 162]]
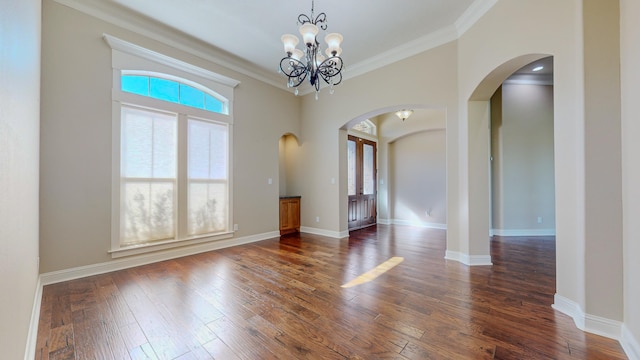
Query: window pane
[[213, 104], [171, 91], [191, 97], [147, 212], [207, 171], [207, 207], [135, 84], [148, 144], [207, 150], [351, 167], [163, 89], [148, 176], [368, 175]]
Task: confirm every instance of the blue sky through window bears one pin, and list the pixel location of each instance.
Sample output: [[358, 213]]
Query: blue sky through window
[[163, 89], [171, 91], [136, 84], [191, 97]]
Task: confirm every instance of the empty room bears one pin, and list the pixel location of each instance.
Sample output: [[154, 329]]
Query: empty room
[[319, 179]]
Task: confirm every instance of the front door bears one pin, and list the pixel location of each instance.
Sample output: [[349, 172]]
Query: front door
[[362, 182]]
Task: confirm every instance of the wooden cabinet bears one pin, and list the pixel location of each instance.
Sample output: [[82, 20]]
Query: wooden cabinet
[[289, 214]]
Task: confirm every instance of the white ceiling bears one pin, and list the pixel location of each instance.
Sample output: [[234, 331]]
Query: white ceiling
[[375, 32]]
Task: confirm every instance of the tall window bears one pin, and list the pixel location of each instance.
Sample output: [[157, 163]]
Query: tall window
[[149, 176], [208, 183], [172, 151]]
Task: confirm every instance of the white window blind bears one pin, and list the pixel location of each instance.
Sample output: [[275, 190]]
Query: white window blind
[[148, 176], [207, 177]]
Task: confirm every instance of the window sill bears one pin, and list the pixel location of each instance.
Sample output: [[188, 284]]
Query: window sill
[[165, 245]]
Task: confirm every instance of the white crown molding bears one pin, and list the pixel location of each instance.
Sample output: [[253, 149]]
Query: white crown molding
[[119, 16], [133, 261], [139, 51], [406, 50], [473, 13], [630, 344], [523, 232], [420, 45]]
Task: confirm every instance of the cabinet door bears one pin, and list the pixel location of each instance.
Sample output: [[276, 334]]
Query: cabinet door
[[294, 213], [285, 218]]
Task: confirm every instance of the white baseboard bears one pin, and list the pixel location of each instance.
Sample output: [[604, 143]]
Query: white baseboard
[[630, 344], [523, 232], [32, 337], [412, 223], [323, 232], [570, 308], [469, 260], [132, 261], [590, 323]]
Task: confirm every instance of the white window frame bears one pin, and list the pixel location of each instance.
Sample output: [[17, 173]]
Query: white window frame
[[128, 58]]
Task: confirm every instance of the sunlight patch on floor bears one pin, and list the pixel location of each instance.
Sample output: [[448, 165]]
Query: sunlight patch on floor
[[375, 272]]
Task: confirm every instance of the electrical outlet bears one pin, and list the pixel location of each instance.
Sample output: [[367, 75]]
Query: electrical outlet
[[539, 219], [317, 219], [235, 227]]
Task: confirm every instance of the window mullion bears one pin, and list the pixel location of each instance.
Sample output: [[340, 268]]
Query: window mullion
[[182, 178]]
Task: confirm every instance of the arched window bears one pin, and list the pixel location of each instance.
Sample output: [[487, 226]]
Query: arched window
[[366, 126], [172, 125], [180, 91]]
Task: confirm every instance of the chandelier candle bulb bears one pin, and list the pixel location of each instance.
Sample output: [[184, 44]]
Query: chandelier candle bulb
[[297, 54], [333, 41], [309, 32], [290, 42]]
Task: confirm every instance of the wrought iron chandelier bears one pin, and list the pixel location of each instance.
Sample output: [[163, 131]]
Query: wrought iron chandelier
[[298, 64]]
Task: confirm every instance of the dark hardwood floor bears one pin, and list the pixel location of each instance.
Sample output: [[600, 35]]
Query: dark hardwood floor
[[282, 299]]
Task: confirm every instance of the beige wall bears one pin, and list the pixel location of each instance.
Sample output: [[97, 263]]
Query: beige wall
[[508, 37], [522, 151], [76, 141], [603, 185], [392, 129], [630, 85], [288, 155], [420, 198], [19, 136], [323, 144]]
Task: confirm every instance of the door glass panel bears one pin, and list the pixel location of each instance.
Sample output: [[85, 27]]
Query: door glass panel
[[368, 169], [351, 172]]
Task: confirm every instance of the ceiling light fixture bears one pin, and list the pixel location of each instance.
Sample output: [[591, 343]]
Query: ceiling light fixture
[[298, 64], [538, 68], [404, 114]]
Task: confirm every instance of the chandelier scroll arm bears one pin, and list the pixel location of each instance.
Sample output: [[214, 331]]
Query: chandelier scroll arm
[[330, 68], [295, 70]]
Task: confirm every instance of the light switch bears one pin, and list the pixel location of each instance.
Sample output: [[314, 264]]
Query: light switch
[[270, 181]]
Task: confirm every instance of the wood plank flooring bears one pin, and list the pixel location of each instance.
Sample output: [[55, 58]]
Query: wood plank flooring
[[282, 299]]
